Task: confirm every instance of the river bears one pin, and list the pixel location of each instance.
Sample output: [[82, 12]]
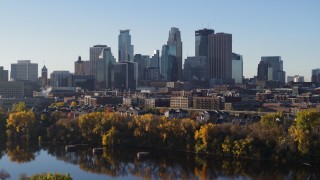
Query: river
[[20, 159]]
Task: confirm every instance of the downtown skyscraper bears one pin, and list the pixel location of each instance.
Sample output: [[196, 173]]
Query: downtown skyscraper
[[171, 59], [125, 48], [220, 57], [270, 68], [201, 41]]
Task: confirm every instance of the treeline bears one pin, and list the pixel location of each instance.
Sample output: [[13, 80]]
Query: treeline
[[274, 137]]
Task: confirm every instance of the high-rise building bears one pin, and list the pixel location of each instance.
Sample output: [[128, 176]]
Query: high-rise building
[[104, 65], [155, 59], [174, 61], [101, 60], [295, 78], [164, 65], [270, 68], [95, 53], [3, 74], [315, 76], [237, 68], [81, 67], [24, 70], [143, 63], [201, 41], [59, 78], [196, 68], [220, 57], [124, 75], [124, 46]]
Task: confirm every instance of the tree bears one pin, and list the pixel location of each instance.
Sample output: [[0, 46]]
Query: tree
[[111, 138], [273, 118], [305, 131], [203, 137], [18, 107], [49, 176], [91, 125], [21, 122], [57, 104], [73, 104], [227, 146]]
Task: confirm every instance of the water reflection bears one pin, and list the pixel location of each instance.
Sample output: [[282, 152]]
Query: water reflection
[[161, 164]]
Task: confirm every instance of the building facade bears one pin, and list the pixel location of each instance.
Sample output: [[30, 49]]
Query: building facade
[[124, 46], [174, 59], [237, 68], [220, 57], [196, 68], [59, 78], [207, 103], [142, 61], [95, 54], [155, 59], [12, 89], [270, 68], [295, 78], [81, 67], [104, 65], [24, 70], [201, 41], [85, 82], [315, 76], [180, 102], [3, 74], [124, 76]]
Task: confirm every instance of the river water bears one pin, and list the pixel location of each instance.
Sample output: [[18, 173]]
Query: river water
[[20, 159]]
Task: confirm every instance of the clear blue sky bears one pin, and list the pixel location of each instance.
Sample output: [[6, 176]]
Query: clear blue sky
[[58, 31]]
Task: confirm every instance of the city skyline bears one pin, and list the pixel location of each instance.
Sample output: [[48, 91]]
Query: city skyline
[[56, 33]]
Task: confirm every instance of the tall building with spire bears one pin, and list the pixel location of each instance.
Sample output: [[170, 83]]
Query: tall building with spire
[[44, 76], [174, 59], [125, 48]]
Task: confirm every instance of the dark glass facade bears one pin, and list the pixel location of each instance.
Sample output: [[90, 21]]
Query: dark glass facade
[[201, 41]]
